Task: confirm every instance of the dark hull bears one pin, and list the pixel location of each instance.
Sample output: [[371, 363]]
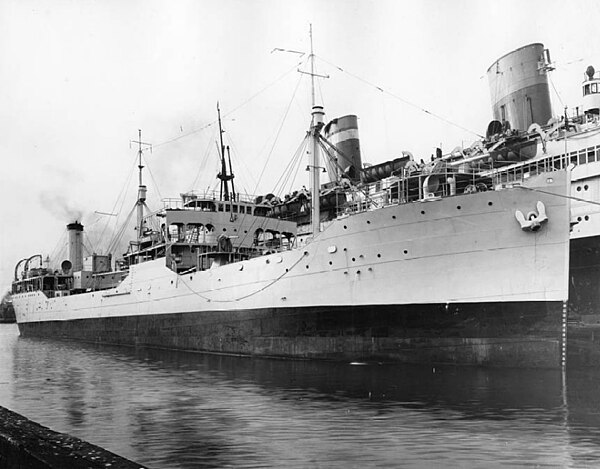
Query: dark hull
[[584, 302], [584, 271], [517, 334]]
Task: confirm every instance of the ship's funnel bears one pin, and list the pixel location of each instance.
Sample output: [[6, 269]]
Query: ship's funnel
[[342, 133], [75, 231], [519, 87]]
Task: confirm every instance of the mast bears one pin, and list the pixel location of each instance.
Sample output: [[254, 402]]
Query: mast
[[233, 195], [314, 133], [315, 130], [223, 175], [141, 188]]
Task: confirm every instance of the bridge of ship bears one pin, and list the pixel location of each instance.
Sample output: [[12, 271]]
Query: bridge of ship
[[199, 230]]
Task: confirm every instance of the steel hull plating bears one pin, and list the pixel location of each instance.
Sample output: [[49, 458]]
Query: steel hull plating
[[499, 334]]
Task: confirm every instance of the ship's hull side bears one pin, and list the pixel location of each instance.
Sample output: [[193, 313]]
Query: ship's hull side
[[512, 334]]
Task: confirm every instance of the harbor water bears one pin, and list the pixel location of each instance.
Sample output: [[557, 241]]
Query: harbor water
[[166, 409]]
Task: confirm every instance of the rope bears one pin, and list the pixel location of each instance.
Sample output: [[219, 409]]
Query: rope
[[275, 280], [278, 133], [179, 137], [153, 180], [121, 195], [560, 195], [405, 101]]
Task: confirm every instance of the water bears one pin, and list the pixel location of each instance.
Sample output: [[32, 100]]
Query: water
[[184, 410]]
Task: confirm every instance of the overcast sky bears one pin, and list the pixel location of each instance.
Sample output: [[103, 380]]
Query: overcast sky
[[79, 78]]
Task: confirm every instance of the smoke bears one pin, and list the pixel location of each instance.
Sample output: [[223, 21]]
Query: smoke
[[58, 206]]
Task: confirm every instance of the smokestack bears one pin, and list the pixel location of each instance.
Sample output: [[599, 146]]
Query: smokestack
[[75, 231], [343, 134], [519, 87]]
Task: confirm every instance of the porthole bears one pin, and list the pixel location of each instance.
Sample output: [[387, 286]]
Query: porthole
[[587, 217], [578, 188], [490, 203], [378, 255], [368, 222], [422, 212], [458, 207], [393, 217], [345, 227], [224, 229], [354, 259], [405, 251], [330, 263], [578, 218], [586, 187]]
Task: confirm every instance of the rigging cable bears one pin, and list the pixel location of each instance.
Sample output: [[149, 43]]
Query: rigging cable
[[152, 177], [121, 195], [379, 88], [592, 202], [179, 137], [555, 90], [296, 160], [204, 160], [117, 237], [287, 110], [298, 165]]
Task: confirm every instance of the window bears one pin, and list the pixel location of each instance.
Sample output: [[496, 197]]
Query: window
[[573, 157], [220, 207], [594, 88], [586, 90]]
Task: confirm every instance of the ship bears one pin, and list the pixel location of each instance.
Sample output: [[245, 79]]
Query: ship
[[438, 262], [525, 138]]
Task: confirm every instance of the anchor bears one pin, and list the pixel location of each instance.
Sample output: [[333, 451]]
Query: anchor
[[533, 221]]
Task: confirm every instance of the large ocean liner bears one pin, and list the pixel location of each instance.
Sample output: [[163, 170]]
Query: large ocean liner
[[526, 137], [402, 261]]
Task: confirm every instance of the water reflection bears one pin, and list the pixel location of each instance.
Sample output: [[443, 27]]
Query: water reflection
[[182, 410]]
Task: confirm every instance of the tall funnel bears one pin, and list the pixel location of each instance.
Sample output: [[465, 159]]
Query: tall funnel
[[75, 231], [342, 133], [519, 87]]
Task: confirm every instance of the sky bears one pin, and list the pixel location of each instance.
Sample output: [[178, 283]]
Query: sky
[[78, 78]]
